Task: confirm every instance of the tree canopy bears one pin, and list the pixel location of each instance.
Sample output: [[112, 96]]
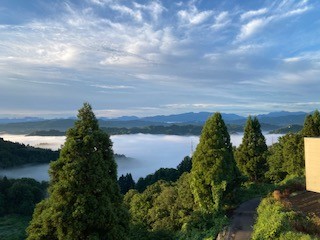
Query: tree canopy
[[214, 171], [251, 155], [84, 199], [311, 127]]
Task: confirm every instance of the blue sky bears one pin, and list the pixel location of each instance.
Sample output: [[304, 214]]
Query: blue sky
[[158, 57]]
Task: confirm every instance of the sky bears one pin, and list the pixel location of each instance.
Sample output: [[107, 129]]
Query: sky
[[157, 57]]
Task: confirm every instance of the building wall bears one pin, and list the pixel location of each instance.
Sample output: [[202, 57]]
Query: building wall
[[312, 158]]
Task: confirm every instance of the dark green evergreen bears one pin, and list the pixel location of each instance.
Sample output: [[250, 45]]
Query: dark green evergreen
[[19, 196], [185, 165], [251, 155], [316, 120], [84, 198], [311, 127], [214, 171], [16, 154], [167, 174], [126, 183]]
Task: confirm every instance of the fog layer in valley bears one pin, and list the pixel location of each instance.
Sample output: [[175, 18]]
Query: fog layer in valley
[[146, 153]]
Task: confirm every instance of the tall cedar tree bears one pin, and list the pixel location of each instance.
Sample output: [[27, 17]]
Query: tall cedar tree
[[251, 155], [311, 127], [214, 171], [84, 199]]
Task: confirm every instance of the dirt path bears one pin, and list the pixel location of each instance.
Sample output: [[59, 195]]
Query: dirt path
[[243, 221]]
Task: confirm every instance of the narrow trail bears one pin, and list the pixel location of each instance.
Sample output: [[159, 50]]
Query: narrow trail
[[243, 220]]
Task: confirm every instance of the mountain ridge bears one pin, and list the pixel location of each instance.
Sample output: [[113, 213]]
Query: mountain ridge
[[269, 122]]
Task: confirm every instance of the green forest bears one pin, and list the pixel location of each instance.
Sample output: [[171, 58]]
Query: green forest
[[15, 154], [86, 200]]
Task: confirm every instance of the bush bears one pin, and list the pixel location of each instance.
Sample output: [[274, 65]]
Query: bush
[[203, 226], [273, 219], [276, 220]]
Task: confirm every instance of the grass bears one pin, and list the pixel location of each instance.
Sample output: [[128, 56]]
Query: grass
[[12, 227]]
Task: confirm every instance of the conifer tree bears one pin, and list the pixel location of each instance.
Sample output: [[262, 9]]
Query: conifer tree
[[316, 120], [214, 171], [309, 128], [84, 199], [126, 183], [251, 155]]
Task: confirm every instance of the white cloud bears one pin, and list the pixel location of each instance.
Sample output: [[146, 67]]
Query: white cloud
[[292, 59], [193, 16], [297, 11], [274, 13], [253, 13], [221, 20], [252, 28], [100, 2], [135, 14], [154, 8], [112, 87]]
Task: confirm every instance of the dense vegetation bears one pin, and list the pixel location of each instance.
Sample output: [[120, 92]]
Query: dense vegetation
[[126, 182], [251, 155], [84, 199], [15, 154], [278, 220], [189, 202], [172, 129], [288, 129], [214, 170], [19, 196], [13, 227], [167, 174]]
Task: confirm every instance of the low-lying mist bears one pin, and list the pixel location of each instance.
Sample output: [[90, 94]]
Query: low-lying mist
[[146, 153]]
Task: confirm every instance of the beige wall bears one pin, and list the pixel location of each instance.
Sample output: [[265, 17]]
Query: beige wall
[[312, 156]]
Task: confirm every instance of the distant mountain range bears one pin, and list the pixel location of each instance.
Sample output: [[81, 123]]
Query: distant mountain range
[[276, 118], [270, 121]]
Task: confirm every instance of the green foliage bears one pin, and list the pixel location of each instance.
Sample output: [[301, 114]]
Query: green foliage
[[12, 227], [19, 196], [84, 198], [251, 155], [126, 183], [295, 235], [185, 165], [203, 226], [167, 174], [162, 206], [168, 210], [15, 154], [294, 128], [214, 171], [286, 157], [273, 219], [276, 220], [168, 130], [294, 183], [311, 127], [249, 190]]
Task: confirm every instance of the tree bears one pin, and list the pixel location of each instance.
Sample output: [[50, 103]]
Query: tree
[[214, 171], [185, 165], [309, 128], [286, 157], [126, 183], [251, 155], [84, 198], [316, 120]]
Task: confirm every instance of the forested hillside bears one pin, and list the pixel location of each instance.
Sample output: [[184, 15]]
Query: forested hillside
[[192, 201], [15, 154]]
